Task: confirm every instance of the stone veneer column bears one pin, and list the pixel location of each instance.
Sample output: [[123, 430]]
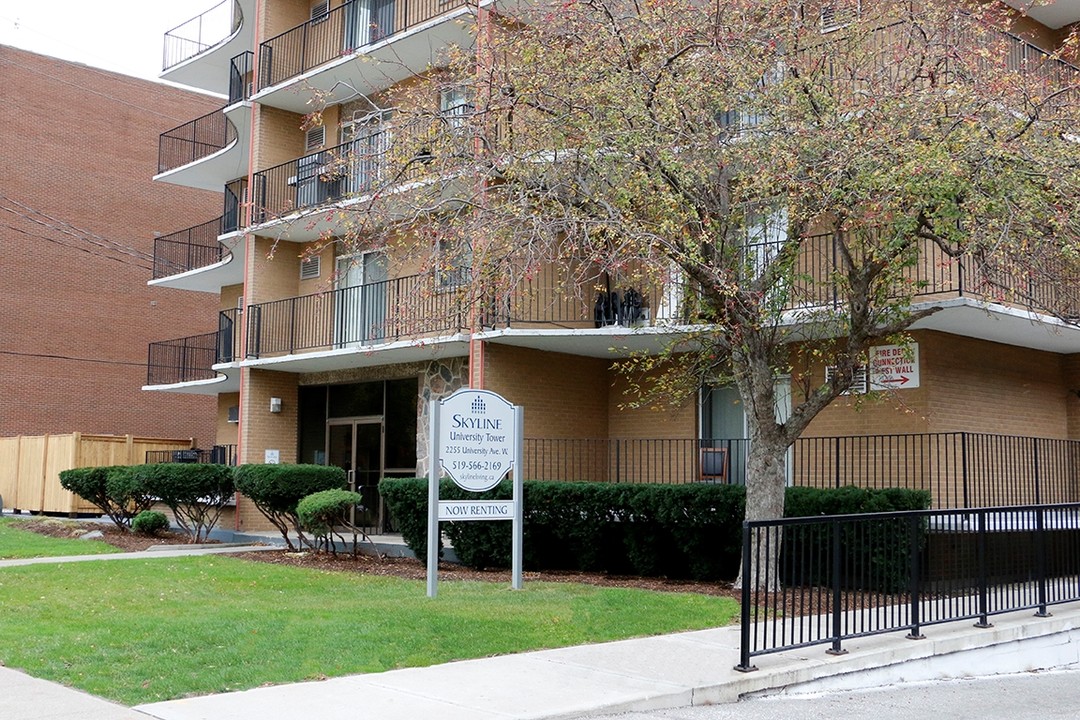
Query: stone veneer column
[[438, 380]]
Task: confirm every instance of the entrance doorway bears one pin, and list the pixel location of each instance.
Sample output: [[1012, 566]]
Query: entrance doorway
[[356, 446]]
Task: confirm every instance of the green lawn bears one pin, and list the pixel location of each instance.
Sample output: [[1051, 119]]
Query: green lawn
[[145, 630], [16, 543]]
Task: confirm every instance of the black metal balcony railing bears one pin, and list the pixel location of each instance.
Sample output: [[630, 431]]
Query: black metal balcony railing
[[387, 154], [958, 469], [235, 196], [190, 359], [846, 576], [341, 32], [201, 33], [189, 249], [218, 454], [241, 77], [194, 140], [378, 312]]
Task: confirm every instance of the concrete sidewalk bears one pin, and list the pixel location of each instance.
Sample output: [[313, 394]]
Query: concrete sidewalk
[[677, 670]]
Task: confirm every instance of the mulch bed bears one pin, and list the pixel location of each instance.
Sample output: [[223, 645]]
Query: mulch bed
[[408, 568]]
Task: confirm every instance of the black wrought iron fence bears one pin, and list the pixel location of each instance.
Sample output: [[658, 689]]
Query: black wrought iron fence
[[218, 454], [188, 249], [958, 469], [407, 307], [823, 580], [241, 77], [342, 31], [201, 32], [190, 359], [194, 140]]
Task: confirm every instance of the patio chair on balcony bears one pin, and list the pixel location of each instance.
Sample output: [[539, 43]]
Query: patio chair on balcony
[[714, 465]]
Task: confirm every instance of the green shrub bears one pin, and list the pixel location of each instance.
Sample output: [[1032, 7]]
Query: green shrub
[[276, 490], [150, 522], [112, 489], [195, 492], [321, 512], [692, 530]]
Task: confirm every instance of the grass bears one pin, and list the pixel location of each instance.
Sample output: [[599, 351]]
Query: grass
[[140, 631], [16, 543]]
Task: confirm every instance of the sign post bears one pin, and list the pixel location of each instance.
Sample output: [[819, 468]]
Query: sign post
[[475, 437]]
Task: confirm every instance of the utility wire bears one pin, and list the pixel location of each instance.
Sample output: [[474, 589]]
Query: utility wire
[[72, 358], [80, 249], [73, 230]]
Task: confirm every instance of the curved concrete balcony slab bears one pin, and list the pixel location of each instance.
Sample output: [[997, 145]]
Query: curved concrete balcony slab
[[198, 52], [227, 381], [215, 168]]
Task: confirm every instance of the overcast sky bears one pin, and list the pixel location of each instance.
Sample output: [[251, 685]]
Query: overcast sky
[[122, 35]]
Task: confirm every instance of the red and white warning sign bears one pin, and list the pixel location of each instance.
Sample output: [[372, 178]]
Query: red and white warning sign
[[894, 367]]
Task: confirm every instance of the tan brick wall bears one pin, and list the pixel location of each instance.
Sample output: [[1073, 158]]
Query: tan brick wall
[[276, 277], [228, 433], [278, 137], [565, 396], [263, 430], [80, 144], [965, 384]]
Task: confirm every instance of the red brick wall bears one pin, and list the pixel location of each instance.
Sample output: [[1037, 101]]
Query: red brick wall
[[80, 144]]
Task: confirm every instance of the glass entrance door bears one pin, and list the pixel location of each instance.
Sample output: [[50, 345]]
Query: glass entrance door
[[356, 446]]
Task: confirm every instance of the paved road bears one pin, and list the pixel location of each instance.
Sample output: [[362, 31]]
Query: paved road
[[1031, 696]]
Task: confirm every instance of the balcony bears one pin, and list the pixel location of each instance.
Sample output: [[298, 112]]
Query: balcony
[[356, 318], [197, 53], [207, 151], [195, 259], [187, 364], [401, 36], [387, 155]]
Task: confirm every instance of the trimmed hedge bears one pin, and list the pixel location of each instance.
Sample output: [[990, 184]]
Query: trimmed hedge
[[113, 489], [195, 492], [276, 490], [692, 530]]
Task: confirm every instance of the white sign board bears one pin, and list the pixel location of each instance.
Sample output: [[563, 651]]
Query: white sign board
[[894, 367], [272, 457], [476, 438], [476, 509]]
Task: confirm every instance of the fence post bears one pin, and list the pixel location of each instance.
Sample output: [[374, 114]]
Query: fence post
[[915, 583], [1035, 463], [836, 460], [1040, 561], [837, 564], [984, 599], [744, 618], [964, 467]]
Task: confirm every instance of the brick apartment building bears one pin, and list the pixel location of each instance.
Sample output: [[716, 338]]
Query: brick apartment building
[[78, 217], [321, 358]]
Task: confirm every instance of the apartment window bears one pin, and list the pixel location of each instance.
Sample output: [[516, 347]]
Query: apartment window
[[315, 138], [836, 15], [455, 106], [311, 268], [859, 380]]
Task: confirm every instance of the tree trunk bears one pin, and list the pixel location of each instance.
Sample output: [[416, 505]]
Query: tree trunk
[[766, 479]]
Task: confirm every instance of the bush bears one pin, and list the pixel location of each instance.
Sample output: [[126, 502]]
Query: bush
[[195, 492], [323, 511], [276, 490], [692, 530], [150, 522], [112, 489]]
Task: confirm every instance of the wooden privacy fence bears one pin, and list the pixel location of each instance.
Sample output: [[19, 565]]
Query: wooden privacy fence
[[30, 466]]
